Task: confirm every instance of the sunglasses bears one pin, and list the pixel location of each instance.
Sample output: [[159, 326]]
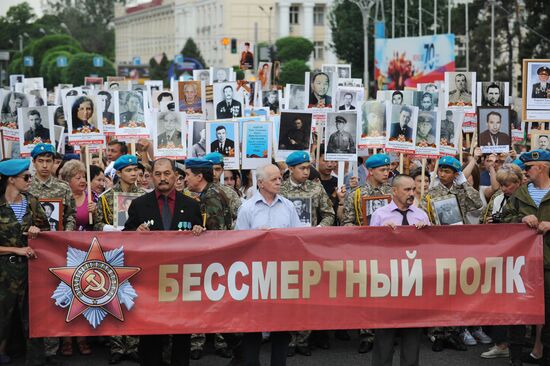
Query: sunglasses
[[527, 167], [25, 177]]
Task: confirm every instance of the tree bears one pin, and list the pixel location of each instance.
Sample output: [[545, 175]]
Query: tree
[[292, 72], [294, 48], [159, 70], [537, 43], [49, 70], [190, 49], [81, 65]]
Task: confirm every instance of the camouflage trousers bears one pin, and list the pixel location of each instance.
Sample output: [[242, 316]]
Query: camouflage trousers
[[124, 345], [299, 338], [198, 341], [14, 296]]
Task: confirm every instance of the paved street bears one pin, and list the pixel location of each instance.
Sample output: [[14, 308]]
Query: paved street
[[340, 353]]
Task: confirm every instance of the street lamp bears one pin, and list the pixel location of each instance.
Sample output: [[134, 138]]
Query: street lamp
[[269, 19], [365, 6]]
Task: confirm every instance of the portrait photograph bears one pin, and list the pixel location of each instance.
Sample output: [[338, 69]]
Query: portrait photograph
[[38, 97], [54, 212], [34, 127], [197, 138], [446, 210], [401, 126], [161, 97], [303, 209], [130, 109], [319, 90], [32, 84], [493, 94], [264, 75], [343, 71], [227, 100], [169, 131], [83, 115], [340, 136], [105, 100], [450, 129], [271, 100], [295, 97], [246, 88], [460, 91], [223, 137], [347, 100], [220, 74], [246, 61], [536, 90], [330, 68], [121, 204], [202, 75], [8, 116], [397, 97], [540, 140], [369, 204], [294, 131], [494, 130], [191, 97], [426, 101], [373, 124], [427, 134]]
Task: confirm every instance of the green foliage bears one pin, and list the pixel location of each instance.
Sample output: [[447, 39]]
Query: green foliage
[[294, 48], [159, 71], [538, 18], [293, 72], [190, 49], [38, 48], [49, 70], [81, 65], [239, 73], [16, 65], [346, 23]]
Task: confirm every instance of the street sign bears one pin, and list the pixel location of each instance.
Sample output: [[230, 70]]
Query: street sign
[[379, 29], [28, 61], [98, 61], [4, 56], [62, 61], [136, 61]]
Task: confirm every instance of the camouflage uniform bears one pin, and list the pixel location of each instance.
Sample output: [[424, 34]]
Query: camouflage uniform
[[55, 188], [105, 206], [216, 205], [234, 202], [353, 203], [468, 201], [322, 213], [13, 276]]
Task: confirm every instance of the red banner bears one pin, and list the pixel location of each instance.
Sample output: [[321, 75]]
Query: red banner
[[89, 283]]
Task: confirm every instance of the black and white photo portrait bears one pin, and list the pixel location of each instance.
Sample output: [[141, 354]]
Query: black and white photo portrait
[[494, 129], [227, 102], [295, 131], [341, 131], [169, 134], [303, 209]]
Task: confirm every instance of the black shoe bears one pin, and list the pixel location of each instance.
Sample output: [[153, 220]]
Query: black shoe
[[52, 361], [365, 346], [291, 351], [438, 345], [454, 342], [527, 357], [115, 358], [133, 356], [224, 352], [516, 362], [322, 342], [303, 350], [342, 335], [196, 354]]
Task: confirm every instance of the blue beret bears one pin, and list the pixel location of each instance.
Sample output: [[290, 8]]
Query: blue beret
[[124, 161], [535, 155], [377, 160], [450, 162], [519, 163], [42, 148], [198, 163], [215, 157], [14, 167], [297, 157]]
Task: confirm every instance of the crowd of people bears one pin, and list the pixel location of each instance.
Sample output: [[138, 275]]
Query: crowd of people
[[489, 189]]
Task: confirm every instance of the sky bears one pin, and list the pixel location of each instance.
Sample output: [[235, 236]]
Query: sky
[[37, 5]]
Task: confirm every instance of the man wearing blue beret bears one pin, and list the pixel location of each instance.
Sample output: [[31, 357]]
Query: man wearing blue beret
[[530, 204], [218, 169]]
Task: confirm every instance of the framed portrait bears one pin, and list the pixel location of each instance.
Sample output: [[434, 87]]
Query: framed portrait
[[540, 139], [449, 131], [320, 90], [121, 204], [426, 101], [227, 100], [344, 71], [493, 94], [446, 210], [169, 131], [294, 133], [536, 90], [53, 207], [295, 99], [340, 136], [221, 74], [369, 204], [223, 137], [129, 110], [264, 75], [401, 127], [247, 55], [427, 134], [460, 91], [372, 133], [191, 97], [202, 75], [303, 209], [271, 100], [197, 138], [161, 97], [494, 129]]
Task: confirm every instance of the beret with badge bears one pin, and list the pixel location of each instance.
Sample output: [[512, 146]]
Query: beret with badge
[[198, 163], [124, 161], [13, 167], [449, 161], [377, 160], [297, 157], [42, 148], [535, 155], [215, 157]]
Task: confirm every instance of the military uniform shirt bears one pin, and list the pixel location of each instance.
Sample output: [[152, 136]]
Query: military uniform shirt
[[322, 212], [55, 188]]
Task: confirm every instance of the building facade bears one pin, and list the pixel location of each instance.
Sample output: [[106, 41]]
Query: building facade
[[149, 29]]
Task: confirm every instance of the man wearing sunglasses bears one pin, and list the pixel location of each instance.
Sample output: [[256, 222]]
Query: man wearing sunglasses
[[530, 204]]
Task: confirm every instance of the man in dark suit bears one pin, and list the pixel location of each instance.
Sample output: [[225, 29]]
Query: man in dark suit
[[229, 107], [36, 129], [402, 127], [492, 136], [542, 88], [49, 209], [347, 106], [171, 137], [164, 209], [223, 145]]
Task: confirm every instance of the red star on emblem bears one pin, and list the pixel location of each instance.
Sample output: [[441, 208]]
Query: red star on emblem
[[95, 283]]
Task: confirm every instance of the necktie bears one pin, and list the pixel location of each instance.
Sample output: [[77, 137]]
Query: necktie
[[404, 213], [166, 214]]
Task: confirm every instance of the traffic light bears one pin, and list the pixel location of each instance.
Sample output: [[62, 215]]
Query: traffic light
[[233, 45]]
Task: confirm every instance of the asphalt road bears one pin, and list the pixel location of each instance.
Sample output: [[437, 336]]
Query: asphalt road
[[340, 353]]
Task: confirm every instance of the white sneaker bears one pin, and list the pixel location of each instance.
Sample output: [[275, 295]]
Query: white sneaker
[[495, 352], [481, 337], [467, 338]]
